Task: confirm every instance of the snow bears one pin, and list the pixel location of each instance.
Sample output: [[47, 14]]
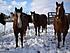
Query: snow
[[32, 44]]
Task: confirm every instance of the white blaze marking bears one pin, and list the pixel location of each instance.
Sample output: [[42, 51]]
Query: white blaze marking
[[58, 11], [32, 17], [19, 20]]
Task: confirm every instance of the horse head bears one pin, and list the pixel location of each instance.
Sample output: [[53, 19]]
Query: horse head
[[33, 15], [60, 10], [18, 13]]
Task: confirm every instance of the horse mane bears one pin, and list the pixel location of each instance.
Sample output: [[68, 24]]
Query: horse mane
[[63, 14], [37, 14]]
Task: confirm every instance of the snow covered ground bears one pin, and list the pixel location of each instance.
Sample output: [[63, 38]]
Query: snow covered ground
[[33, 44]]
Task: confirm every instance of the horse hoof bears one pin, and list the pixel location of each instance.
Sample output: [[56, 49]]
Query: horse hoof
[[22, 47], [58, 47], [38, 51], [38, 35], [54, 38], [16, 47], [62, 45], [29, 28]]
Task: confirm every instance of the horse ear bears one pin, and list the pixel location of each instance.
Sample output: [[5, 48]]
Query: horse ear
[[1, 13], [57, 3], [11, 12], [15, 8], [21, 8], [62, 3]]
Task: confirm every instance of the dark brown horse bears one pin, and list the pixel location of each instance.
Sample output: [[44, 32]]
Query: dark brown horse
[[29, 19], [20, 24], [3, 18], [61, 24], [39, 20]]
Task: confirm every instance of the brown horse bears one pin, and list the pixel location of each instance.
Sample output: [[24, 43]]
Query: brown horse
[[20, 24], [39, 20], [61, 24]]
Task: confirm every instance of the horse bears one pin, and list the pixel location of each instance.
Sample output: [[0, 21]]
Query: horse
[[20, 24], [60, 23], [3, 18], [39, 20], [27, 15], [29, 19], [2, 21]]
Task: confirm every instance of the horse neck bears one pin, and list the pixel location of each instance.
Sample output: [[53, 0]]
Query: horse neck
[[62, 16]]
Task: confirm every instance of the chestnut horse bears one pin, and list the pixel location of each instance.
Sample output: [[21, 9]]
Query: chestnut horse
[[39, 20], [20, 24], [61, 24]]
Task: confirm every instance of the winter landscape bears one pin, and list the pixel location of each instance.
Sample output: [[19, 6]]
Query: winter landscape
[[44, 43]]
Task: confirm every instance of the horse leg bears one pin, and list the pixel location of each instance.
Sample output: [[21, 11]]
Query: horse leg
[[28, 27], [64, 35], [21, 34], [38, 31], [55, 34], [4, 29], [46, 29], [59, 39], [35, 30], [16, 39], [42, 29]]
